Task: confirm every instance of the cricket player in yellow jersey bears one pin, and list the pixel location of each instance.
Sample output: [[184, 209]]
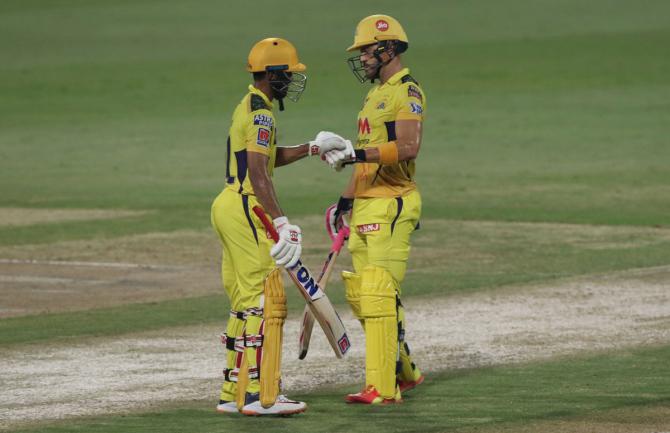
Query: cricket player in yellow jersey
[[253, 335], [385, 205]]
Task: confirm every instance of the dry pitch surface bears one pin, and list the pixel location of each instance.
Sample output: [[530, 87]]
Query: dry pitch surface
[[133, 372], [107, 375]]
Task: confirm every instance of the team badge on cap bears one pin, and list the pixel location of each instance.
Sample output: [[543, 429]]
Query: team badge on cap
[[382, 25]]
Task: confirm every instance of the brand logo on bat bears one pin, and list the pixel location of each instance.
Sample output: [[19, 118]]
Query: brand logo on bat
[[344, 343], [307, 282]]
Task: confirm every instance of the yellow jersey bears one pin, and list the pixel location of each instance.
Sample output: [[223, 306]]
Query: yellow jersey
[[399, 98], [253, 130]]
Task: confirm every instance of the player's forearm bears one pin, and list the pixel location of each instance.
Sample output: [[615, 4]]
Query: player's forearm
[[404, 151], [265, 193], [405, 147], [287, 155]]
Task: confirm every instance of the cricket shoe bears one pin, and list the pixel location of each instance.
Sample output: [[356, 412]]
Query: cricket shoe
[[282, 406], [410, 384], [227, 407], [370, 395]]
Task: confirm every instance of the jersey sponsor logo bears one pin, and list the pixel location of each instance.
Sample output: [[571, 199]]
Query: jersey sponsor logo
[[382, 25], [381, 105], [263, 120], [413, 92], [263, 138], [367, 228], [363, 126], [416, 108]]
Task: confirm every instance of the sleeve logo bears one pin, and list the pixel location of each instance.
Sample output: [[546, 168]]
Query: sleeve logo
[[416, 108], [413, 92], [263, 138], [263, 120]]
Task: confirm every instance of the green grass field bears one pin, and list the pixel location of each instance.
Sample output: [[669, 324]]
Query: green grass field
[[545, 156]]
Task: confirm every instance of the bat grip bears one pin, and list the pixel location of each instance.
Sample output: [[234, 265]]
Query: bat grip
[[339, 240], [260, 213]]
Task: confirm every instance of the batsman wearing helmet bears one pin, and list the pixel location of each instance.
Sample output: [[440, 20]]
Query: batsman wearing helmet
[[253, 337], [385, 205]]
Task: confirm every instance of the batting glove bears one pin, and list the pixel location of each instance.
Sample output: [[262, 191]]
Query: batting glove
[[337, 216], [326, 141], [286, 252], [336, 158]]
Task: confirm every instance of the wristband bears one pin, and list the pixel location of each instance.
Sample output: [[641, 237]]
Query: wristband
[[388, 153], [344, 204], [360, 155]]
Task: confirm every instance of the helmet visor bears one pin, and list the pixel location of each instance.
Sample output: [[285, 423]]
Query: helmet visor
[[289, 85]]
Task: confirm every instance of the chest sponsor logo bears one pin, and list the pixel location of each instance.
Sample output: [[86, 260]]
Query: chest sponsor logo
[[263, 120], [416, 108], [363, 126], [381, 105], [263, 138], [382, 25], [367, 228], [413, 92]]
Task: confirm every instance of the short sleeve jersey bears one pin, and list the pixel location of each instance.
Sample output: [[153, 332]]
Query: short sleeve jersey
[[399, 98], [253, 130]]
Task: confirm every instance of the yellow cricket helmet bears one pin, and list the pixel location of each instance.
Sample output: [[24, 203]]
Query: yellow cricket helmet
[[274, 54], [377, 28]]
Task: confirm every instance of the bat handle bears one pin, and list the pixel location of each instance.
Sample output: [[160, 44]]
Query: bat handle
[[339, 240], [260, 213]]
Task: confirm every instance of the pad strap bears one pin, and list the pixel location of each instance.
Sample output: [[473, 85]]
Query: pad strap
[[232, 374], [242, 315], [239, 343]]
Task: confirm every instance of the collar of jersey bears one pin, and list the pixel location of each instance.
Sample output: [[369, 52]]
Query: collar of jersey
[[397, 76], [255, 91]]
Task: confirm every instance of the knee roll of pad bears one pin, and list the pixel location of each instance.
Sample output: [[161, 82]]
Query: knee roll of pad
[[378, 293], [352, 291]]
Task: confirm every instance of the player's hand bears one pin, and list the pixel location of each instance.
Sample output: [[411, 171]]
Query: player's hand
[[338, 215], [336, 158], [286, 252], [326, 141]]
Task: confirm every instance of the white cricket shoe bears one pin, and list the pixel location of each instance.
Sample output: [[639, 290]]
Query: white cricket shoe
[[283, 406], [227, 407]]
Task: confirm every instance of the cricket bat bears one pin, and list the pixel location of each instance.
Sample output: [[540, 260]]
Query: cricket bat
[[316, 299], [307, 323]]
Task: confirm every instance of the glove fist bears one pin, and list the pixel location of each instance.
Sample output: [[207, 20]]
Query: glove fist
[[326, 141], [286, 252], [337, 157]]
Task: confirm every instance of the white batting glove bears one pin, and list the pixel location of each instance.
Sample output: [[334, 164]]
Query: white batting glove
[[326, 141], [336, 157], [286, 252]]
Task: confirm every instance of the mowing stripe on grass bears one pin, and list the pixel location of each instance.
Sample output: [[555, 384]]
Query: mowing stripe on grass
[[112, 321]]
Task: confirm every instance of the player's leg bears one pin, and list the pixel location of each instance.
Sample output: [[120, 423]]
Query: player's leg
[[377, 301], [235, 324], [409, 375], [352, 280], [233, 338], [258, 276]]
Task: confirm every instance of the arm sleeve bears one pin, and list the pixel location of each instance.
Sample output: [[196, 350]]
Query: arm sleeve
[[411, 102], [260, 132]]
